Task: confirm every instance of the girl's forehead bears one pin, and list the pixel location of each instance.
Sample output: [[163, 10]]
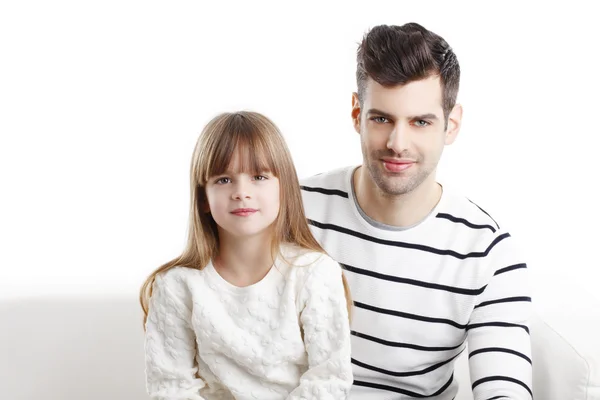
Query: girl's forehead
[[236, 161], [244, 161]]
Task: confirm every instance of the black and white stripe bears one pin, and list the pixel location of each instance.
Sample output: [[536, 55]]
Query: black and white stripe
[[421, 294]]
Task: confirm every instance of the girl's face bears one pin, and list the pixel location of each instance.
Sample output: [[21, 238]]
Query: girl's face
[[242, 204]]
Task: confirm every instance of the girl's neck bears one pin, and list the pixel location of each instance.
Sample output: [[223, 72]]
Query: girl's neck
[[244, 261]]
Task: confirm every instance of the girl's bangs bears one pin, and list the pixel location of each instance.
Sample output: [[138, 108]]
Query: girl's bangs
[[252, 153]]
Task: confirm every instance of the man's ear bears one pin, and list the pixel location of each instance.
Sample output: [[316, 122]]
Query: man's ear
[[454, 123], [355, 112]]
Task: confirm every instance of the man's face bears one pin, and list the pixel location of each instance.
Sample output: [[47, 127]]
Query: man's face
[[403, 133]]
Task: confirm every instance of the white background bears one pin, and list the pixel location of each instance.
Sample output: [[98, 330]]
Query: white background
[[101, 104]]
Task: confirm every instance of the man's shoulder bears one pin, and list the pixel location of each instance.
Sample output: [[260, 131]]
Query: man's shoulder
[[480, 235], [461, 209]]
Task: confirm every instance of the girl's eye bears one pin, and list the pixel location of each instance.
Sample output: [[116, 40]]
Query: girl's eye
[[222, 181], [260, 178]]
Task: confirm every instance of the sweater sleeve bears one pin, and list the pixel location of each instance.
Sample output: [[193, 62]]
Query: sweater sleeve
[[498, 331], [326, 328], [170, 343]]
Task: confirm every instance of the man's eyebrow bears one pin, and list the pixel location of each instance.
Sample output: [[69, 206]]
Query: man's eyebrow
[[384, 114], [424, 116], [381, 113]]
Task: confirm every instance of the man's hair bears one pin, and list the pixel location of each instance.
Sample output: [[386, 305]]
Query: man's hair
[[396, 55]]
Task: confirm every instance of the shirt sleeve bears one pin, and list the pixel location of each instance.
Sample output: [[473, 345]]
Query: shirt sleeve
[[326, 328], [170, 343], [498, 331]]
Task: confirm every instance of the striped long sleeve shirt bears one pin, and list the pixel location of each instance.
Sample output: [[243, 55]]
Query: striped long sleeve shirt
[[424, 294]]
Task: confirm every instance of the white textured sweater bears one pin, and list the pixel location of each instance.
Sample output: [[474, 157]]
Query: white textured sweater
[[424, 294], [285, 337]]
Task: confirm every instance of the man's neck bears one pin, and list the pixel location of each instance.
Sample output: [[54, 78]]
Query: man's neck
[[402, 210], [244, 261]]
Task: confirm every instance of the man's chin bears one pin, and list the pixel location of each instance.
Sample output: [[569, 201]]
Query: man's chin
[[395, 185], [390, 183], [392, 187]]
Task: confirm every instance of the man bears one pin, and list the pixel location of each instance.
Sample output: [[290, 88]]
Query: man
[[430, 272]]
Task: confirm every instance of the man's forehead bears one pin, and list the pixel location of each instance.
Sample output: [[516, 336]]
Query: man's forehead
[[413, 98]]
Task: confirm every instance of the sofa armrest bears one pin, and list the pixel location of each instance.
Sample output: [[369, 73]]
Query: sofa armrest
[[565, 340], [565, 336]]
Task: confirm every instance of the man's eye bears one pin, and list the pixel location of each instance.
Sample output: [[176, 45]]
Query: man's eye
[[421, 123], [380, 120]]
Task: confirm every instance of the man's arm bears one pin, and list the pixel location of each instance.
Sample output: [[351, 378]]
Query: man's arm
[[498, 331]]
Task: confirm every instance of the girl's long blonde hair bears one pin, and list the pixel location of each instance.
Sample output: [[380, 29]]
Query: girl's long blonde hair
[[261, 148]]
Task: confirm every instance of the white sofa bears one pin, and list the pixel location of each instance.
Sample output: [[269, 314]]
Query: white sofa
[[565, 334], [92, 349]]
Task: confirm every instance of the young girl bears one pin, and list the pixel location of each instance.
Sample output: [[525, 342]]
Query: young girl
[[253, 308]]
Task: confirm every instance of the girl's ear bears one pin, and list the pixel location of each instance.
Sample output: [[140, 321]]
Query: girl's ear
[[203, 206]]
